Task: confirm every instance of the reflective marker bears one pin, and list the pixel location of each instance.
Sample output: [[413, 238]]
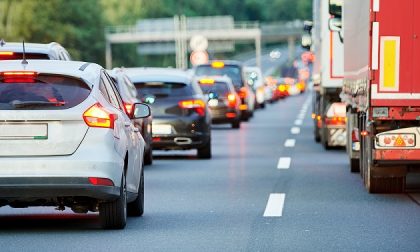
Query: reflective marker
[[275, 205]]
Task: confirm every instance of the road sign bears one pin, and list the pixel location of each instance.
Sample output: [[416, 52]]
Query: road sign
[[199, 57], [199, 43]]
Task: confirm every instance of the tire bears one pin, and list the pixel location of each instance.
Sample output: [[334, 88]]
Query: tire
[[204, 152], [136, 208], [236, 124], [113, 215], [324, 139], [148, 157], [262, 105], [354, 165]]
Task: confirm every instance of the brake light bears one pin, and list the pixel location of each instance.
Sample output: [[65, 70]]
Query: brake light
[[207, 81], [355, 135], [396, 140], [282, 88], [128, 108], [6, 53], [97, 116], [197, 105], [243, 93], [230, 115], [218, 64], [231, 100], [100, 181], [19, 77]]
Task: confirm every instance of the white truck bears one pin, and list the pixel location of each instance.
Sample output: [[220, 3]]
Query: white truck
[[328, 71]]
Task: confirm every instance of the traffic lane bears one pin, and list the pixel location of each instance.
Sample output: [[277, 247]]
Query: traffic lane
[[328, 209], [190, 204]]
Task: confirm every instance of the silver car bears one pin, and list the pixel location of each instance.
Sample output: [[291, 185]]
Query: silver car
[[66, 141]]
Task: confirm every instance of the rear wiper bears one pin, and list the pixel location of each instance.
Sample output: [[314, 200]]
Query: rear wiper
[[24, 104]]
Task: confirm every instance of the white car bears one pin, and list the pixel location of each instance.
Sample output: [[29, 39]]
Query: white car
[[66, 141], [52, 51]]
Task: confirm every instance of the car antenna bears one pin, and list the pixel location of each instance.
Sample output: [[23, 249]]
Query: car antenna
[[24, 62], [2, 42]]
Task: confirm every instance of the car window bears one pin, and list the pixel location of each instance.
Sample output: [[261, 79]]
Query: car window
[[42, 92], [163, 89], [112, 96], [220, 88], [232, 71]]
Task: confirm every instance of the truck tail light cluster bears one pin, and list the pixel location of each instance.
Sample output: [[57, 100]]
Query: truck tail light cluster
[[396, 140], [336, 120]]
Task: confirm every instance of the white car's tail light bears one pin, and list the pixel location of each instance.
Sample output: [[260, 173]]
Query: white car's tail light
[[396, 140], [97, 116]]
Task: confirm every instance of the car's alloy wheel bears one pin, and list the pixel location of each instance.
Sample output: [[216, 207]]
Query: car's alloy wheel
[[113, 215]]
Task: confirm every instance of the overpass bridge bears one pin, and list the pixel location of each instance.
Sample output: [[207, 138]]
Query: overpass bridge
[[171, 35]]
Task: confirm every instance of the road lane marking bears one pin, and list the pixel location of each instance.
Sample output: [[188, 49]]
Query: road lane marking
[[284, 163], [295, 130], [275, 205], [290, 143], [298, 122]]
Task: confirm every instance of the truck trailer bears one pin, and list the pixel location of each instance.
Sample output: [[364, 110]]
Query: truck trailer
[[381, 90], [327, 76]]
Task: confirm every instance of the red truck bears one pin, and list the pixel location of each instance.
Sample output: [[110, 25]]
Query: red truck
[[381, 89]]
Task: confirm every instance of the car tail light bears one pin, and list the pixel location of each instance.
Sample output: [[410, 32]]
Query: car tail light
[[282, 88], [7, 53], [242, 93], [355, 135], [128, 108], [217, 64], [231, 100], [230, 115], [197, 105], [97, 116], [336, 120], [396, 140], [100, 181], [19, 77]]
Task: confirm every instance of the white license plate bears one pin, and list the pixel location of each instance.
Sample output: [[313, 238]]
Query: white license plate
[[24, 131], [161, 129], [213, 103]]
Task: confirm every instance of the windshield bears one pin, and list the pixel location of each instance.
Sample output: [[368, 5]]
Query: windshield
[[232, 71], [162, 89], [219, 88], [43, 92]]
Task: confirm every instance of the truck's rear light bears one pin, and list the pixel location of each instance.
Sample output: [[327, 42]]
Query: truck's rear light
[[242, 93], [100, 181], [243, 107], [197, 105], [396, 140], [19, 77], [230, 115], [364, 133], [231, 100], [355, 135], [97, 116], [336, 120]]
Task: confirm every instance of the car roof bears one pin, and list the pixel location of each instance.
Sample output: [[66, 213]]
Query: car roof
[[29, 47], [142, 74], [89, 72]]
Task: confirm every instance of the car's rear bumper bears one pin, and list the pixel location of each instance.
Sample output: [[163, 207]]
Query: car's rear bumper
[[33, 188], [180, 141], [220, 115]]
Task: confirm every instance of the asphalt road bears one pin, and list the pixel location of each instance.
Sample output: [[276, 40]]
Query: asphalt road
[[244, 199]]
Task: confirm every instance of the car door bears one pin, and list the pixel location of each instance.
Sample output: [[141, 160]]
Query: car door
[[134, 142]]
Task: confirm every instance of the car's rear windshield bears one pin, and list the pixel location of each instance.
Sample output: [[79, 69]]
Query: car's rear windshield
[[43, 92], [18, 56], [162, 89], [219, 88], [232, 71]]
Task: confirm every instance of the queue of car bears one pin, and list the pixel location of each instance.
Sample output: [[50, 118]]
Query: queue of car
[[74, 135]]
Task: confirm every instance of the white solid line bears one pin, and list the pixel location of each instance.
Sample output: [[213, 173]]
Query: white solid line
[[298, 122], [275, 205], [295, 130], [284, 163], [290, 143]]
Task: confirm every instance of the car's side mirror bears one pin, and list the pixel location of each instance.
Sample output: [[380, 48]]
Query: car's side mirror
[[335, 24], [306, 42], [141, 110]]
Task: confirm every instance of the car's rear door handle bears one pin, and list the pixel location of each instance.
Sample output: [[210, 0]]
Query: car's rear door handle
[[127, 124]]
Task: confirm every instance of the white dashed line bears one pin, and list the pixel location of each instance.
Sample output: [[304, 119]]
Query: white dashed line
[[290, 143], [295, 130], [298, 122], [284, 163], [275, 205]]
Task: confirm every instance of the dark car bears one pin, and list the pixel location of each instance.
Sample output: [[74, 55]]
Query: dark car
[[130, 96], [223, 101], [181, 119], [234, 70]]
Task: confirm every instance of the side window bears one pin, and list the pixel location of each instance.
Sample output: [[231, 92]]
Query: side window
[[112, 97], [117, 94], [103, 90]]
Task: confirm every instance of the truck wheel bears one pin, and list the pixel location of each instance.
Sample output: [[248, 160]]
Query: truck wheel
[[324, 139], [204, 152], [136, 208], [354, 165], [113, 215]]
